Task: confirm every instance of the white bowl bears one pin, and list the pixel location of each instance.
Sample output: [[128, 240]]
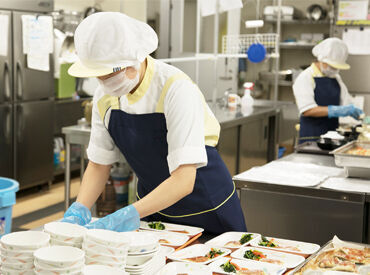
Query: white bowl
[[153, 251], [108, 238], [57, 242], [103, 249], [68, 270], [66, 232], [16, 253], [141, 241], [166, 251], [139, 260], [52, 266], [92, 254], [7, 271], [59, 256], [18, 266], [56, 273], [10, 260], [91, 261], [102, 269], [25, 240]]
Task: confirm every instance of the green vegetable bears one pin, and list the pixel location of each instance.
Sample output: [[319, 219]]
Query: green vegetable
[[245, 238], [213, 253], [156, 225], [253, 254], [266, 242], [228, 267]]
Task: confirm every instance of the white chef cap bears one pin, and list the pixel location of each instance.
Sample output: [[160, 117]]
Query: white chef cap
[[107, 42], [332, 51]]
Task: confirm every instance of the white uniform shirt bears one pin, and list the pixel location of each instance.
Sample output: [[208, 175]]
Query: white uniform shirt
[[188, 118], [304, 87]]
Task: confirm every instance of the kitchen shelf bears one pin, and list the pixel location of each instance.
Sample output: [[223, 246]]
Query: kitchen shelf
[[300, 21], [296, 45]]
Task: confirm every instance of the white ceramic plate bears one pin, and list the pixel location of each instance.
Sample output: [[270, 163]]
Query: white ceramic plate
[[173, 239], [224, 238], [303, 248], [59, 256], [101, 269], [141, 242], [25, 240], [153, 251], [288, 260], [195, 251], [177, 228], [185, 268], [269, 269], [108, 238], [66, 232]]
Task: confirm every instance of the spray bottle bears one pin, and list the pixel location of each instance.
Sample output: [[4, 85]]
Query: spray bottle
[[247, 100]]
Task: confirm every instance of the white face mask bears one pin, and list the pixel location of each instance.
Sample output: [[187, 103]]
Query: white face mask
[[120, 84], [329, 71]]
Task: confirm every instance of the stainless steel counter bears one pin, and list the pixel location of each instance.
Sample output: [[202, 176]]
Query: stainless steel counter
[[312, 214]]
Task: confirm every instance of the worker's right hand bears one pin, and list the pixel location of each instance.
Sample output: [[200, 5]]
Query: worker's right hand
[[77, 213], [342, 111]]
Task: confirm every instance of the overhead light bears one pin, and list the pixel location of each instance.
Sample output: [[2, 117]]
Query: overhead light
[[254, 24]]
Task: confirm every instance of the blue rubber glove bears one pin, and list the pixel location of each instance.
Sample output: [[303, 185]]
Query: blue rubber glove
[[125, 219], [342, 111], [77, 213]]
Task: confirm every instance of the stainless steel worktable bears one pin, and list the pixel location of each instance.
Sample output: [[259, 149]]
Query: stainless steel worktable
[[312, 214]]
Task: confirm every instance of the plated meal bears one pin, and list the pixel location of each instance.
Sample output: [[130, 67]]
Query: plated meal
[[233, 240], [268, 256], [244, 267], [289, 246], [199, 253], [170, 227]]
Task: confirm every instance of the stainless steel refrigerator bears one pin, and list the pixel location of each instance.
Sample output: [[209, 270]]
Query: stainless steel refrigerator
[[26, 107]]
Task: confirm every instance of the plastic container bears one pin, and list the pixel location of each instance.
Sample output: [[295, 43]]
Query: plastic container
[[120, 176], [8, 187]]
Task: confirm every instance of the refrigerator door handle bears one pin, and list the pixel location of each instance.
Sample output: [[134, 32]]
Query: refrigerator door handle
[[7, 129], [19, 80], [20, 123], [6, 80]]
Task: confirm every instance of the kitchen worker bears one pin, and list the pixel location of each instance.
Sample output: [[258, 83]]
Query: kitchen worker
[[320, 93], [157, 117]]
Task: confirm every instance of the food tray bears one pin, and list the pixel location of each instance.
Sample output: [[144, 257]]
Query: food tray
[[346, 160], [191, 231], [327, 246], [224, 238]]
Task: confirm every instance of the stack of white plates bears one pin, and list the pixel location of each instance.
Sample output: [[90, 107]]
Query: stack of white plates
[[59, 260], [17, 251], [65, 234], [144, 255], [104, 247], [102, 269]]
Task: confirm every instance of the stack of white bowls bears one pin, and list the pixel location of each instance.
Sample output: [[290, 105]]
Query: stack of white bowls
[[102, 269], [65, 234], [104, 247], [143, 255], [59, 260], [17, 251]]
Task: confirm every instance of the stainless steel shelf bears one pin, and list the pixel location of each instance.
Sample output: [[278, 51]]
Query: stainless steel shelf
[[301, 21], [295, 45]]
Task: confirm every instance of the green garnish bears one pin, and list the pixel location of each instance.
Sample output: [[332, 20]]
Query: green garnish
[[253, 254], [213, 253], [157, 225], [245, 238], [265, 242], [228, 267]]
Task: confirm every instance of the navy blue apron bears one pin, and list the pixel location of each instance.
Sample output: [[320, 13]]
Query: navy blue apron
[[213, 204], [327, 92]]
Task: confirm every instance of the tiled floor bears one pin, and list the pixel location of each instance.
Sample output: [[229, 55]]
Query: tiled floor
[[33, 209]]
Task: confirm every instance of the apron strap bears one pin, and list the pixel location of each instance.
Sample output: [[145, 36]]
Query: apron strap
[[166, 87], [197, 213], [106, 102]]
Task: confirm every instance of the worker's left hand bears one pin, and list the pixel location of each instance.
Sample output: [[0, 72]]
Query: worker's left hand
[[125, 219]]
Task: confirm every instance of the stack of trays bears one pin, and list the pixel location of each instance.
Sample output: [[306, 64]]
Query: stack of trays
[[144, 255], [103, 247], [59, 260], [17, 251], [65, 234]]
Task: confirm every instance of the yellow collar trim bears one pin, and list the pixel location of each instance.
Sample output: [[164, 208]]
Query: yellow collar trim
[[145, 83], [316, 71]]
